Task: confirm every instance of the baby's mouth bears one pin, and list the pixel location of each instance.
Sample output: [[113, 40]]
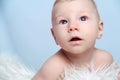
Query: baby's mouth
[[75, 39]]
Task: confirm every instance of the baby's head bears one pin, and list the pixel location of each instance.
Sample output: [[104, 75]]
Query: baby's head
[[76, 23]]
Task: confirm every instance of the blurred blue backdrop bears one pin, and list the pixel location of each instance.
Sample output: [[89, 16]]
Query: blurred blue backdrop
[[25, 29]]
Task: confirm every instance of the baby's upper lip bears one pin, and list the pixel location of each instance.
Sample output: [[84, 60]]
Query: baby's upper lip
[[75, 38]]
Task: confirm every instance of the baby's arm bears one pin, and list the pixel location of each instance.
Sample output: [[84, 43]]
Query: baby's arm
[[52, 69], [106, 58], [102, 58]]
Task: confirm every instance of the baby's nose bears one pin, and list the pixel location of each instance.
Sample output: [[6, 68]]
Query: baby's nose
[[73, 28]]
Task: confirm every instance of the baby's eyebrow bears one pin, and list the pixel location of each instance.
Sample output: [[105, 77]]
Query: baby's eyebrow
[[59, 17]]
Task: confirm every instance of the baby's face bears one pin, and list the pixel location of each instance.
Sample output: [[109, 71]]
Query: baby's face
[[76, 25]]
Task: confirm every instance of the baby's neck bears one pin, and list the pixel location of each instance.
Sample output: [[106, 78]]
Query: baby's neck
[[79, 59]]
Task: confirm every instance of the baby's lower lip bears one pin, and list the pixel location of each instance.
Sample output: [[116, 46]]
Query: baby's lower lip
[[77, 42]]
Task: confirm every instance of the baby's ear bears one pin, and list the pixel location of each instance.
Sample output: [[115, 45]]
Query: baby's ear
[[100, 29]]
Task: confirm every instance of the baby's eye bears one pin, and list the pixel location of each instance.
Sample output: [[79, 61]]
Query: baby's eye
[[83, 18], [63, 21]]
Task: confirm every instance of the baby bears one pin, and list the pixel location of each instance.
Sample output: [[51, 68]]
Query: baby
[[76, 26]]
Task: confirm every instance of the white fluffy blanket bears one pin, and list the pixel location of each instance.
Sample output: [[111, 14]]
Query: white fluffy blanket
[[12, 69], [104, 72]]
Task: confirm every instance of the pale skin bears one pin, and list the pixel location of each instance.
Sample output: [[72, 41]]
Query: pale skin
[[76, 26]]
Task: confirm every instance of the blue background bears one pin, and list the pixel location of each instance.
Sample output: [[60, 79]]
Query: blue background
[[25, 29]]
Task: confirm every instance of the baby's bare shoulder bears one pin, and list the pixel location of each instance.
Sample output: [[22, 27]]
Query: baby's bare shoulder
[[52, 68], [103, 57]]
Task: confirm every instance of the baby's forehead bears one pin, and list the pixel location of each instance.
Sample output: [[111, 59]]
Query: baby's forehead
[[72, 5], [89, 4]]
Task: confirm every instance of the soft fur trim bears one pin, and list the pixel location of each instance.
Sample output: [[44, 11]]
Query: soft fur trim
[[104, 72], [12, 69]]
